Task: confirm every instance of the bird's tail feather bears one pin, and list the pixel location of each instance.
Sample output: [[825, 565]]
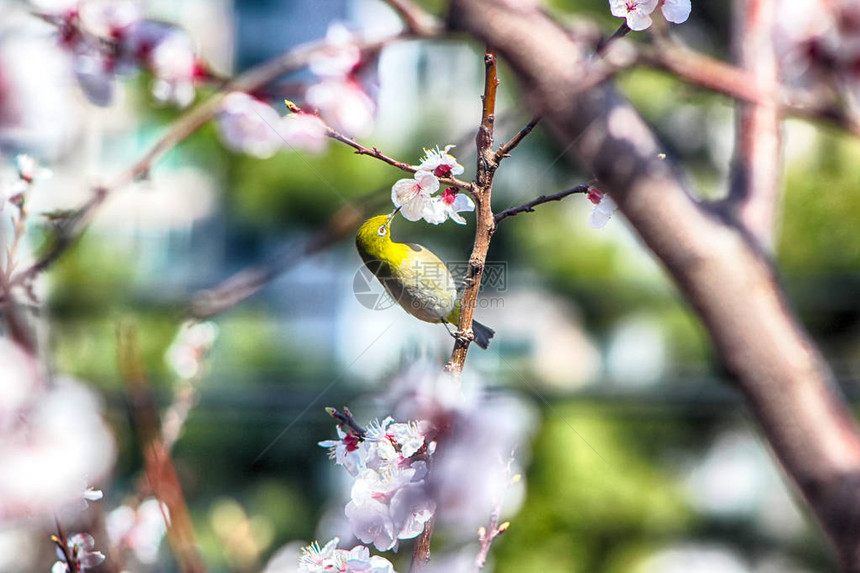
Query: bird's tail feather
[[482, 333]]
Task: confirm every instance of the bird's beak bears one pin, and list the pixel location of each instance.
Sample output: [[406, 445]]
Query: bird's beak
[[393, 213]]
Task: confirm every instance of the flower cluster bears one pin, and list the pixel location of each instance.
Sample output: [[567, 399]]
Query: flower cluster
[[388, 461], [251, 126], [330, 559], [340, 96], [81, 548], [105, 40], [416, 197], [473, 472], [638, 12]]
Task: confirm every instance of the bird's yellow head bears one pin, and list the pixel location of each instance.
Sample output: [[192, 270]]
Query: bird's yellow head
[[374, 238]]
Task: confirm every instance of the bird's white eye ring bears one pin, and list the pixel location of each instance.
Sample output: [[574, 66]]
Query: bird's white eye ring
[[382, 231]]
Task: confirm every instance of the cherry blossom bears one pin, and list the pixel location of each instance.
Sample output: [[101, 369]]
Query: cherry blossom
[[448, 204], [330, 559], [174, 66], [412, 196], [304, 131], [347, 451], [637, 12], [340, 57], [676, 11], [248, 125], [165, 50], [604, 207], [82, 547], [388, 498], [440, 163], [472, 473], [344, 105]]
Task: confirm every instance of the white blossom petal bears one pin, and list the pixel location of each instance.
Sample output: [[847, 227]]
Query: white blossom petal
[[676, 11], [602, 212]]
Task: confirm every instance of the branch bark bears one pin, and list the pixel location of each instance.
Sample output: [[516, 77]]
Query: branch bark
[[784, 377], [485, 225], [755, 188]]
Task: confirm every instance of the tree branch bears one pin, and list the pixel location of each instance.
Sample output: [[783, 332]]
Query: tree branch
[[755, 182], [772, 360], [505, 150], [712, 74], [375, 153], [540, 200], [160, 471], [74, 226], [485, 225], [418, 21]]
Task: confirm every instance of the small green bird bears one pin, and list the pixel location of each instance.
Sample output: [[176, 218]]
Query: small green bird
[[413, 276]]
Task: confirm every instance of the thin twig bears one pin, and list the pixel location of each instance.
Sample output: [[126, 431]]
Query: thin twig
[[375, 153], [530, 206], [417, 20], [505, 150]]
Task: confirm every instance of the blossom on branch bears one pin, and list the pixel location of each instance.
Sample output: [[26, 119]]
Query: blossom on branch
[[440, 163], [340, 98], [676, 11], [416, 197], [449, 204], [638, 12], [304, 132], [330, 559], [344, 104], [340, 57], [413, 196], [388, 499], [248, 125], [81, 546]]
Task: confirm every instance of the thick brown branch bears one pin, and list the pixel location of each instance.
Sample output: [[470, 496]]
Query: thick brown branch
[[540, 200], [754, 193], [485, 224], [730, 283]]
